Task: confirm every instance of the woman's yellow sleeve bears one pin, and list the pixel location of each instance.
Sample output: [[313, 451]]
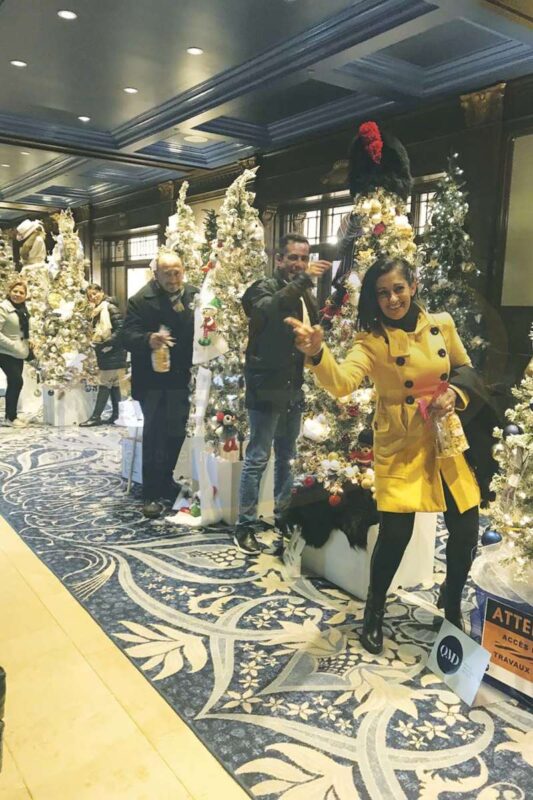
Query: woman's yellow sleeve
[[458, 358], [344, 378], [456, 349]]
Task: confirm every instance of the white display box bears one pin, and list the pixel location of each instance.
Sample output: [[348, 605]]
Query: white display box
[[226, 477], [132, 449], [349, 567], [63, 407]]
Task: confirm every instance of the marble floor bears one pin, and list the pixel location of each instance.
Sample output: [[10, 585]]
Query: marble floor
[[82, 723]]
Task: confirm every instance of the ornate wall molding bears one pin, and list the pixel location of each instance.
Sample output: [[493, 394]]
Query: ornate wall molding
[[337, 176], [166, 190], [485, 106]]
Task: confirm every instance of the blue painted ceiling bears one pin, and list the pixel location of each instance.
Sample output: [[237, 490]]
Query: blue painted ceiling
[[272, 72]]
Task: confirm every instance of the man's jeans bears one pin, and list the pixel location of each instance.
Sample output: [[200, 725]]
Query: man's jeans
[[281, 428]]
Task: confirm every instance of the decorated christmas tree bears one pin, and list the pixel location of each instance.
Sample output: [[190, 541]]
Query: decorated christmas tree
[[336, 446], [182, 237], [447, 273], [62, 328], [7, 266], [210, 237], [512, 511], [239, 255]]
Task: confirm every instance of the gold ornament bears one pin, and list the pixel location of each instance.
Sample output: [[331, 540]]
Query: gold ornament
[[54, 300]]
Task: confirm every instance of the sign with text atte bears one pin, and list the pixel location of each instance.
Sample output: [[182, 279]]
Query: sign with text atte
[[459, 661], [508, 636]]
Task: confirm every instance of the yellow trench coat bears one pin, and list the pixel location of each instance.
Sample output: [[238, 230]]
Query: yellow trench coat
[[405, 367]]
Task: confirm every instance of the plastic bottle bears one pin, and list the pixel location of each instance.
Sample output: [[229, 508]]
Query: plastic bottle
[[161, 356]]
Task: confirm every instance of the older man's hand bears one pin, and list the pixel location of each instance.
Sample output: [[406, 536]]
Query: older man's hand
[[157, 340]]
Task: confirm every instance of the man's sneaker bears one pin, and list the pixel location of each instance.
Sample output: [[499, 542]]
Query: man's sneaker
[[246, 542], [152, 509]]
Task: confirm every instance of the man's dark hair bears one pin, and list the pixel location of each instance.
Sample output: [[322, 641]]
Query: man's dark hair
[[292, 236], [95, 286], [368, 312]]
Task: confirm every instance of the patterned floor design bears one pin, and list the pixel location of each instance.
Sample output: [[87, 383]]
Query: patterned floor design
[[270, 674]]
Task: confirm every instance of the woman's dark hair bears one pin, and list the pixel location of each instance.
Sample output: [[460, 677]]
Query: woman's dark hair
[[95, 286], [368, 310]]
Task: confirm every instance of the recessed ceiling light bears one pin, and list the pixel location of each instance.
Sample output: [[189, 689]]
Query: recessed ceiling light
[[67, 15], [195, 51], [17, 63], [24, 153], [197, 139], [84, 119], [5, 165], [131, 90]]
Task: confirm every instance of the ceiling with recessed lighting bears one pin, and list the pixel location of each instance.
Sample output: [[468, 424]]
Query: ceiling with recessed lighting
[[115, 95]]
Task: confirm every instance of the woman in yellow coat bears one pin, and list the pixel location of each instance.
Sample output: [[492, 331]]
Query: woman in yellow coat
[[406, 352]]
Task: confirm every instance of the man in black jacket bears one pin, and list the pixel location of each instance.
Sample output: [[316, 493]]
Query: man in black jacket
[[274, 377], [165, 302]]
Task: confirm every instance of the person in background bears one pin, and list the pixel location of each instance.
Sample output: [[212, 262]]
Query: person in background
[[159, 331], [110, 354], [407, 353], [14, 346], [274, 377]]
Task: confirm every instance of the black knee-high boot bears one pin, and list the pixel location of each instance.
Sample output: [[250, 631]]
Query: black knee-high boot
[[463, 532], [395, 531], [116, 397], [96, 416]]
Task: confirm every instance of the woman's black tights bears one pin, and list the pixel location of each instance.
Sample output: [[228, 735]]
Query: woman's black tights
[[395, 532], [13, 370]]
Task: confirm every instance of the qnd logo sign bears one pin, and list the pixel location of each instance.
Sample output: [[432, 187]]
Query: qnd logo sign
[[449, 655]]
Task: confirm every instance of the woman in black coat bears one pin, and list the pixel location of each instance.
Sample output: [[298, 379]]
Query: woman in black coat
[[14, 346], [110, 355]]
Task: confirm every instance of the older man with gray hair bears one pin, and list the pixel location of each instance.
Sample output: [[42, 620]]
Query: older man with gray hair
[[160, 322]]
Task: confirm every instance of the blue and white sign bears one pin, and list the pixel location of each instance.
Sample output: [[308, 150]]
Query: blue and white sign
[[459, 661]]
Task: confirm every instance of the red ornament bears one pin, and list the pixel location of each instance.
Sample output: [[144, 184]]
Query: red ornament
[[309, 481], [230, 445], [334, 500], [364, 456], [352, 411], [329, 311], [379, 229], [220, 416], [345, 299], [372, 141]]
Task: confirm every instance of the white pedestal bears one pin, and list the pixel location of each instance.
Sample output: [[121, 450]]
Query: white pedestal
[[30, 402], [132, 449], [226, 477], [349, 568], [62, 407]]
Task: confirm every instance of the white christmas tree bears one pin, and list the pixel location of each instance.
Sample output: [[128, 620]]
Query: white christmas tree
[[334, 448], [447, 273], [182, 236], [512, 511], [7, 266], [62, 328], [240, 258]]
